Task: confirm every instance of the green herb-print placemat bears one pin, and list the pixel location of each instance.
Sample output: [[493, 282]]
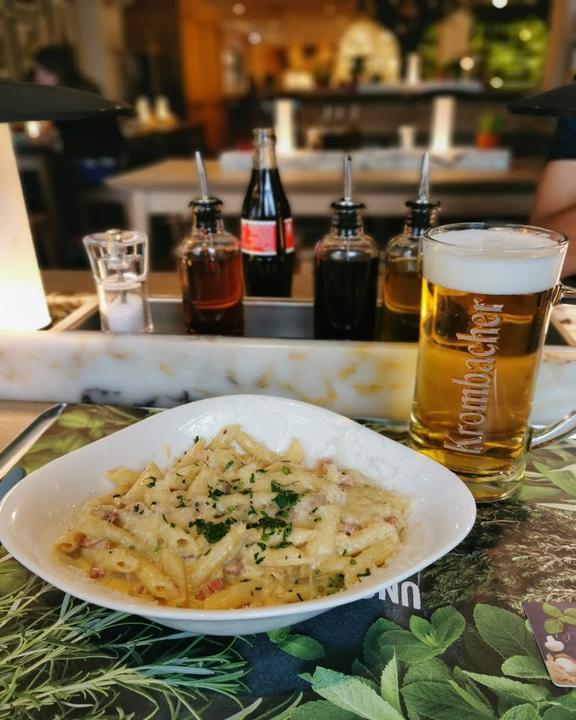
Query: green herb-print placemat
[[458, 646]]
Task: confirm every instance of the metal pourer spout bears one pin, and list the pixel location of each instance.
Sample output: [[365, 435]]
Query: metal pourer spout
[[206, 209], [423, 211], [347, 216], [424, 187]]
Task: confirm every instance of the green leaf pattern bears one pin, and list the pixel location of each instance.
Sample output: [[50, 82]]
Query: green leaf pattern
[[439, 665]]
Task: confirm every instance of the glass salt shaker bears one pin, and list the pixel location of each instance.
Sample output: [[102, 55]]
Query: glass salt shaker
[[119, 262]]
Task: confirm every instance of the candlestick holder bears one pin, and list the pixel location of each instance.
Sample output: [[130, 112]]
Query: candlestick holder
[[119, 262]]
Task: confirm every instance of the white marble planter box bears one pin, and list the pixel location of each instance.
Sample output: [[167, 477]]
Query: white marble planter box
[[357, 379], [461, 158]]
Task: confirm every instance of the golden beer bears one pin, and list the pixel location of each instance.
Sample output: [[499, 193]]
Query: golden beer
[[483, 319]]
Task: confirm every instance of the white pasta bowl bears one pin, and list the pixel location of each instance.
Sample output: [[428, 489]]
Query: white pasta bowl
[[37, 510]]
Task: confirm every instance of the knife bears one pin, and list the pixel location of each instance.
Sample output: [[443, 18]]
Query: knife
[[10, 455]]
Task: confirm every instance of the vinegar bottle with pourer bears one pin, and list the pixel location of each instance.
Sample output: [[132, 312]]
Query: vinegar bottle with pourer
[[346, 273], [403, 265], [210, 269]]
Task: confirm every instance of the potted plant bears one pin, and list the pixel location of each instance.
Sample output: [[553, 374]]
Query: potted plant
[[490, 126]]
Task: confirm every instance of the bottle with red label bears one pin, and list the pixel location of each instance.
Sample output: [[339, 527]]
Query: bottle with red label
[[267, 234]]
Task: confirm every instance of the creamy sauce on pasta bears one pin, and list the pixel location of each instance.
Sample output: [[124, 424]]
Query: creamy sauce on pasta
[[232, 524]]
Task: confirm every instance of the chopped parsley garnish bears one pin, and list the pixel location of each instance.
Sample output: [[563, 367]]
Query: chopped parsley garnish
[[284, 498], [261, 470], [269, 524], [214, 493], [228, 465], [365, 573], [286, 470], [181, 502], [299, 597], [212, 531], [259, 559], [353, 562], [152, 482], [252, 478], [335, 583], [196, 439]]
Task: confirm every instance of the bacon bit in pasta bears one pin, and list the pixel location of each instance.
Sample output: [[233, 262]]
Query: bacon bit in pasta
[[209, 589], [393, 520], [234, 567], [96, 573], [87, 542], [111, 515]]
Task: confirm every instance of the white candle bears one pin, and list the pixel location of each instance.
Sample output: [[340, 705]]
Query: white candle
[[413, 69], [284, 125], [123, 314], [407, 136], [143, 110], [443, 112], [22, 302]]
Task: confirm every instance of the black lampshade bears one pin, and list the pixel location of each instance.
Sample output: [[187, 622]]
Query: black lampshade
[[558, 102], [22, 101]]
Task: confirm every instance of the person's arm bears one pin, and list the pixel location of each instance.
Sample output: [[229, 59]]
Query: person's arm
[[555, 205]]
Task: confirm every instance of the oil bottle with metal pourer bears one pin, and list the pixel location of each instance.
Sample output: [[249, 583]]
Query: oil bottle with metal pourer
[[403, 265], [346, 273], [210, 269]]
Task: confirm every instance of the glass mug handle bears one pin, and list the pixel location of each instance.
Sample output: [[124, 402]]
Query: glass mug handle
[[544, 436]]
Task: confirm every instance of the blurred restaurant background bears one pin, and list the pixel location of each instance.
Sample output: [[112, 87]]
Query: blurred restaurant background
[[383, 79]]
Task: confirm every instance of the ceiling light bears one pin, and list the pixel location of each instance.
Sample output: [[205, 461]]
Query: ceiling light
[[254, 38], [499, 4], [467, 63], [496, 82], [238, 9]]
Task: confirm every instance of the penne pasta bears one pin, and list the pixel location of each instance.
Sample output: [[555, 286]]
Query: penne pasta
[[233, 524]]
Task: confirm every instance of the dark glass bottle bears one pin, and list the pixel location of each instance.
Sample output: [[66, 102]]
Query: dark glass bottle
[[267, 235], [210, 270], [345, 275], [403, 267]]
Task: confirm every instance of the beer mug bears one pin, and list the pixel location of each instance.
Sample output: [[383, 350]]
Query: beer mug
[[488, 290]]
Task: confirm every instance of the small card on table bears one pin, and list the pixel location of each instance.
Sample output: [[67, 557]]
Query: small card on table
[[554, 627]]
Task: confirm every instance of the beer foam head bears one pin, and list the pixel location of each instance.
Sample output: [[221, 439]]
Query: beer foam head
[[493, 260]]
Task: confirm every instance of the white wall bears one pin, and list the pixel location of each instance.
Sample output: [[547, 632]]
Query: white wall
[[101, 51]]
